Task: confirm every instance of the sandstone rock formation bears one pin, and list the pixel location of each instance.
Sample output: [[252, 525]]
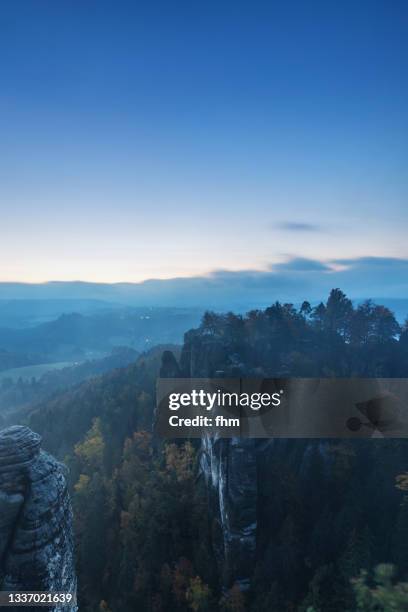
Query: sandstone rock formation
[[36, 532]]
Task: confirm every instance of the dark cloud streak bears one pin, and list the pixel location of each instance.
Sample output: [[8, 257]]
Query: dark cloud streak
[[292, 226]]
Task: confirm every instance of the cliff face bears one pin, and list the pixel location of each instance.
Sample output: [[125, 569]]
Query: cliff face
[[36, 532], [230, 468]]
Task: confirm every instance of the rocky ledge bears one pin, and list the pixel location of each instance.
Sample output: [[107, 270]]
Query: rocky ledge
[[36, 527]]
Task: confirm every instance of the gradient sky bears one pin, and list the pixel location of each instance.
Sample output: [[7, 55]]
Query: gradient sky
[[162, 139]]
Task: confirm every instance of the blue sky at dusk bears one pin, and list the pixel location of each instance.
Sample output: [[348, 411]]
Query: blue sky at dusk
[[156, 140]]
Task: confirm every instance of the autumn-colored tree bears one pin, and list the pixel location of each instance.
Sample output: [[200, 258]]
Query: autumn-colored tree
[[90, 451], [198, 595], [180, 460]]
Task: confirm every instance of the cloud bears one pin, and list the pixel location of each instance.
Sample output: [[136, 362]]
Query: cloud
[[294, 280], [291, 226], [373, 262], [301, 264]]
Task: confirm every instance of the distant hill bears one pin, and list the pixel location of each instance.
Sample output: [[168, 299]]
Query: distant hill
[[18, 393], [75, 336], [29, 312]]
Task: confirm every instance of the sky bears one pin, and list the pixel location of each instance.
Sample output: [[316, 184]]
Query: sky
[[173, 139]]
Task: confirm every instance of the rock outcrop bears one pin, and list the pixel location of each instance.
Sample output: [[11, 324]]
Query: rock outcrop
[[36, 527], [230, 470]]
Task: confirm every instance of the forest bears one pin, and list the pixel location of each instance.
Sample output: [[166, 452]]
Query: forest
[[332, 516]]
